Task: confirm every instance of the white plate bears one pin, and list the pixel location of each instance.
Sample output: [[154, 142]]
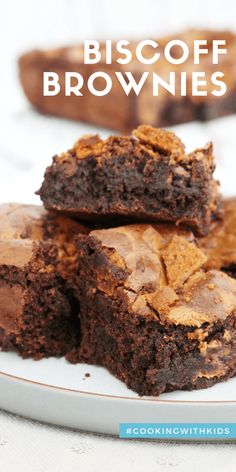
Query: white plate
[[54, 391]]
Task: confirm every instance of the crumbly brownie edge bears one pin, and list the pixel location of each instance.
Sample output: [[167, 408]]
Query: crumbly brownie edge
[[47, 324]]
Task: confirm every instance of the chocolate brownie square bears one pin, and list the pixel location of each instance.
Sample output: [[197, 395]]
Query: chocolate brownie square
[[150, 311], [145, 177], [38, 311]]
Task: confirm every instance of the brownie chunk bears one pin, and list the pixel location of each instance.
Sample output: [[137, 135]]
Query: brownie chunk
[[151, 313], [38, 315], [143, 177], [220, 244], [129, 111]]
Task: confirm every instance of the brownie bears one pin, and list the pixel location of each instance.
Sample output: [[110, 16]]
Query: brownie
[[150, 311], [220, 244], [146, 176], [120, 112], [39, 313]]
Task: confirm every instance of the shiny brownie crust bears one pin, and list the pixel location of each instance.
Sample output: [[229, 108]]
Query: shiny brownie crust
[[154, 335]]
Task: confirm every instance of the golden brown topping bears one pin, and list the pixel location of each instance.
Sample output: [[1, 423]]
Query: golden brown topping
[[162, 299], [162, 140], [181, 259], [144, 139], [141, 307], [89, 144], [89, 140]]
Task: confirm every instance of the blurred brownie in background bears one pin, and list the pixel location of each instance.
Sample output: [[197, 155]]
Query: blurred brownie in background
[[118, 111]]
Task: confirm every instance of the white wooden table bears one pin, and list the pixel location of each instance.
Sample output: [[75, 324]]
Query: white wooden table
[[28, 446]]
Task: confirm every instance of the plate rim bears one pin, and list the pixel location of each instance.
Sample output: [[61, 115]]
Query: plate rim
[[34, 383]]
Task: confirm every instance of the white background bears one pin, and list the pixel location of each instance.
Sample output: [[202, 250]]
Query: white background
[[27, 142]]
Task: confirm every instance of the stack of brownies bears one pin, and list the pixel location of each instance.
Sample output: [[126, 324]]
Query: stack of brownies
[[131, 265]]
